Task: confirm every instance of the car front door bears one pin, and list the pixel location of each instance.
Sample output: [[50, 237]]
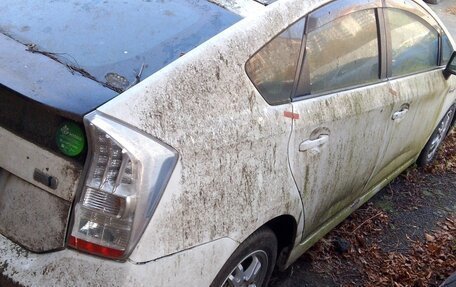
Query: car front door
[[417, 82], [340, 108]]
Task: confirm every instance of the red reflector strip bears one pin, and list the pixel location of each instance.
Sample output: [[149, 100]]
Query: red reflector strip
[[291, 115], [94, 248]]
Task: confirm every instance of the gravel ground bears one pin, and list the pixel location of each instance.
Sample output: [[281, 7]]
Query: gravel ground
[[447, 12]]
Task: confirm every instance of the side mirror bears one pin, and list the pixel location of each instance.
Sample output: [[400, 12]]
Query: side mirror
[[451, 67]]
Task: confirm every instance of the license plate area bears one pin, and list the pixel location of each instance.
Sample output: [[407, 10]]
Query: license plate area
[[30, 216], [39, 167]]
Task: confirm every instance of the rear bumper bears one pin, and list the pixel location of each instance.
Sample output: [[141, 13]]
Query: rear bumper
[[193, 267]]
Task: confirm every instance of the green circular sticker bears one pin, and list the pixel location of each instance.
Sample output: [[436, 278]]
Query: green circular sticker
[[70, 139]]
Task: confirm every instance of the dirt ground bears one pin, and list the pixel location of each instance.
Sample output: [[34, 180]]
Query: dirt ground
[[404, 236]]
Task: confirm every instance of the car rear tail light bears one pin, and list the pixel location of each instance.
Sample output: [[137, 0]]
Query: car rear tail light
[[126, 174]]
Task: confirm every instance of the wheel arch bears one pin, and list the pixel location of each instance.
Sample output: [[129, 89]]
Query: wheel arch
[[421, 161], [285, 229]]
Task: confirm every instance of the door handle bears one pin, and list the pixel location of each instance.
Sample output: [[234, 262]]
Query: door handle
[[309, 144], [401, 113]]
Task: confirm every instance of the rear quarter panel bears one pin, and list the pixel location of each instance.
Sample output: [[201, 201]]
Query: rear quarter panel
[[232, 175]]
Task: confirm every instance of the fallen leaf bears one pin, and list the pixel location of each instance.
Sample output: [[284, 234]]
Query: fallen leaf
[[429, 237]]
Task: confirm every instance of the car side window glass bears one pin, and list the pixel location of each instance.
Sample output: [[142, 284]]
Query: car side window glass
[[415, 44], [447, 49], [273, 68], [340, 54]]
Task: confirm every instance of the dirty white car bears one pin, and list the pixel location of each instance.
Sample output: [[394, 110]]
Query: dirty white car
[[204, 143]]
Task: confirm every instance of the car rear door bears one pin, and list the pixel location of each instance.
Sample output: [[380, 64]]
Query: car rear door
[[341, 109]]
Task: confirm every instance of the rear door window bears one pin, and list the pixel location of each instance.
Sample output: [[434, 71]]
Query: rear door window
[[273, 68], [340, 54], [415, 43]]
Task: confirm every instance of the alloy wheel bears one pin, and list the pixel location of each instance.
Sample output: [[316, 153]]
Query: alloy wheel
[[250, 272], [440, 135]]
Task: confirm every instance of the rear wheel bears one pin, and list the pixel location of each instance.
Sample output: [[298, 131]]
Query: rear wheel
[[252, 263], [437, 137]]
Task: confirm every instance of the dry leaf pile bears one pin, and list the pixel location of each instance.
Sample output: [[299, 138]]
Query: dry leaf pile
[[446, 157], [427, 263]]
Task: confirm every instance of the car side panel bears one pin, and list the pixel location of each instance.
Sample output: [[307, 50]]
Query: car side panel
[[332, 177]]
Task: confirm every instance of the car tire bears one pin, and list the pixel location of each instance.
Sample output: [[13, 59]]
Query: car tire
[[430, 149], [252, 262]]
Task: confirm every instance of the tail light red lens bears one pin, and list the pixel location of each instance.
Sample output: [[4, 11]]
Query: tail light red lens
[[126, 174]]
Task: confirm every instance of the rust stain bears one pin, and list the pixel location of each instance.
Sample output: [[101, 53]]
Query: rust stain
[[393, 92]]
